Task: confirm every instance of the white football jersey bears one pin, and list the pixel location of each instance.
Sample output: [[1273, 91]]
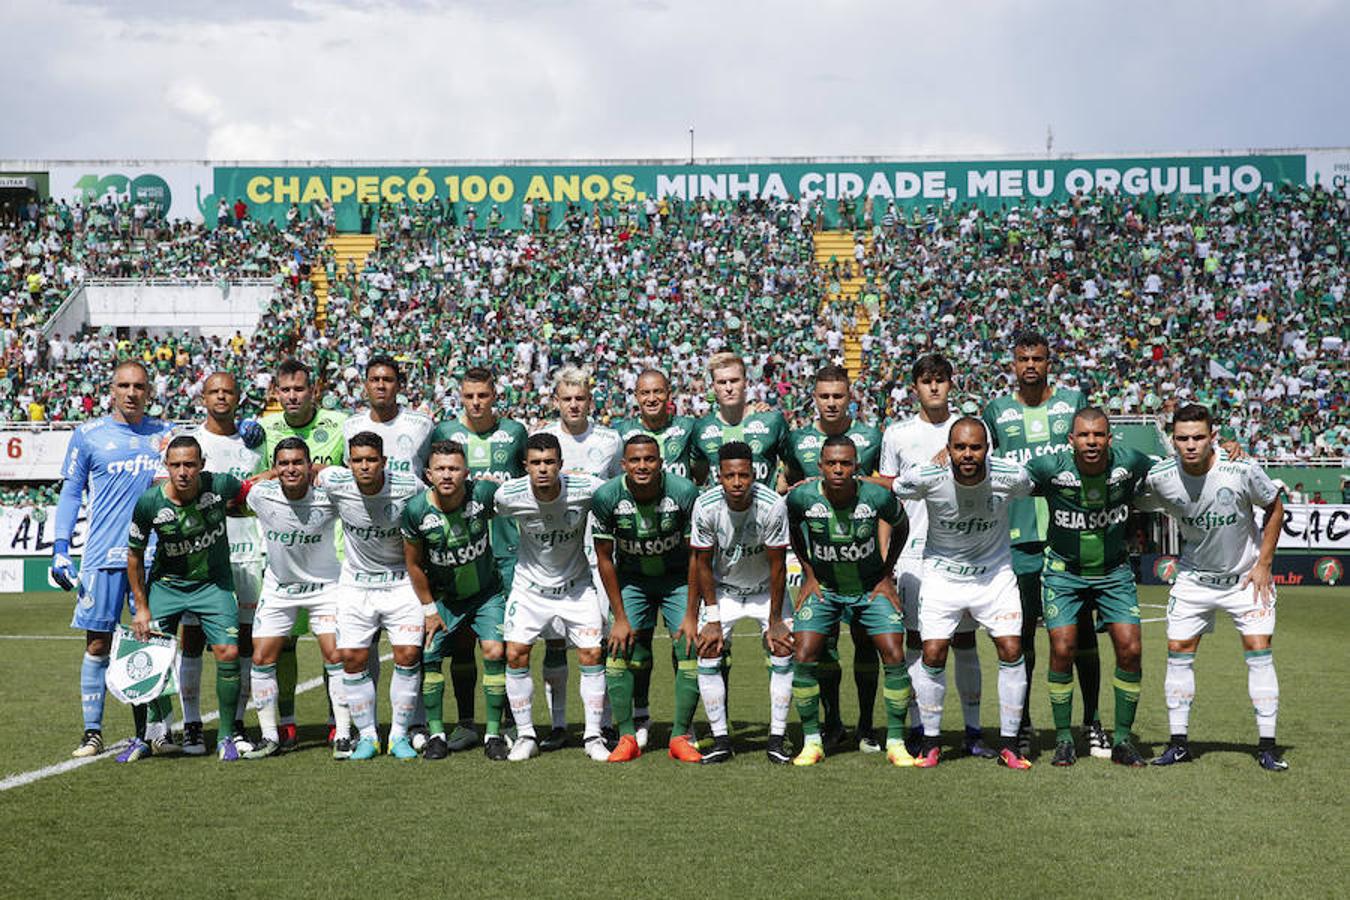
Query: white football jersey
[[227, 455], [301, 548], [370, 523], [552, 535], [407, 439], [967, 524], [913, 442], [1215, 512], [739, 539], [598, 451]]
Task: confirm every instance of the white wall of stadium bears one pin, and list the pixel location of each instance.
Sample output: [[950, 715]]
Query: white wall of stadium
[[194, 190]]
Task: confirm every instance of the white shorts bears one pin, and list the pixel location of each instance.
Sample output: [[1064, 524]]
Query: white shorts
[[570, 612], [364, 610], [909, 579], [991, 601], [280, 606], [734, 606], [248, 581], [1192, 604]]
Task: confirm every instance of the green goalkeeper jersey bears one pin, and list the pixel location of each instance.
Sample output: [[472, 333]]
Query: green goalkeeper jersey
[[193, 544], [651, 539], [323, 436], [456, 545], [1023, 433], [765, 432], [496, 454], [801, 457], [841, 542], [1089, 514], [676, 440]]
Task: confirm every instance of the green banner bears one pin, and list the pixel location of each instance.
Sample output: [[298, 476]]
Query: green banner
[[271, 190]]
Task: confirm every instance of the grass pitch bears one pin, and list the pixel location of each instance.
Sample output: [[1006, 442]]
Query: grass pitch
[[563, 826]]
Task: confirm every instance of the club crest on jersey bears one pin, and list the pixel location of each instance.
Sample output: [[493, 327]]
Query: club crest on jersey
[[405, 445], [1225, 497], [1060, 426], [390, 510], [499, 456], [320, 435]]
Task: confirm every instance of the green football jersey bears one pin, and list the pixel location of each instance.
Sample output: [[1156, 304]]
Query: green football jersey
[[651, 540], [1022, 433], [676, 440], [456, 545], [323, 434], [493, 455], [801, 457], [765, 432], [193, 543], [1089, 514], [841, 543]]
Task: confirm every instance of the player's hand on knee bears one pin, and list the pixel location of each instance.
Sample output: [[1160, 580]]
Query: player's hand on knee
[[886, 588], [780, 638], [710, 640], [433, 624], [620, 638]]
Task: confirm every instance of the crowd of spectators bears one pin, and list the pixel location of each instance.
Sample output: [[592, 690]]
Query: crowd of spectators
[[1236, 301]]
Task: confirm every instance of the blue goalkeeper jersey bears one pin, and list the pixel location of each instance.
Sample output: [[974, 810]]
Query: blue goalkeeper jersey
[[115, 462]]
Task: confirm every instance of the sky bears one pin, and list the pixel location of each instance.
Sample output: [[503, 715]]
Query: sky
[[535, 79]]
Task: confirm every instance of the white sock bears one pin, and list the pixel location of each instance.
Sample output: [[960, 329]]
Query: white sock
[[555, 692], [931, 689], [263, 680], [520, 694], [967, 677], [592, 698], [714, 694], [245, 686], [190, 687], [1179, 691], [404, 689], [360, 691], [913, 662], [1012, 693], [337, 696], [1264, 689], [156, 731], [780, 693]]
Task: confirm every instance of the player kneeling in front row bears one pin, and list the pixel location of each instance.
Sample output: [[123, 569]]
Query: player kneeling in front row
[[191, 573], [448, 550], [552, 594], [967, 569], [847, 535], [1224, 566], [302, 574], [739, 539], [374, 591]]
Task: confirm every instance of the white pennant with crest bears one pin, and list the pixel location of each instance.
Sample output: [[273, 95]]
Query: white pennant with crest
[[139, 671]]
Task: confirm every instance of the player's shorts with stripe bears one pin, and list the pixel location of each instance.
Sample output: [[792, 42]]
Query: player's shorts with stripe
[[367, 606], [820, 613], [569, 612], [281, 606], [909, 580], [102, 595], [736, 604], [1197, 597], [248, 587], [644, 599], [212, 605], [989, 600], [1112, 597]]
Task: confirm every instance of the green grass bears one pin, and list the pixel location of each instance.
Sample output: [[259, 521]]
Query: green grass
[[564, 826]]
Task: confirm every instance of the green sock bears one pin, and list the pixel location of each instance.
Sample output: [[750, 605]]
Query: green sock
[[287, 673], [160, 709], [227, 693], [686, 693], [494, 693], [464, 680], [866, 663], [830, 675], [1088, 665], [619, 685], [896, 695], [640, 665], [806, 696], [1127, 689], [1061, 703], [433, 695]]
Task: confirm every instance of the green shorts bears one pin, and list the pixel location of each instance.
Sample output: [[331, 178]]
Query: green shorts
[[1028, 558], [213, 605], [821, 613], [484, 613], [643, 599], [1112, 597], [506, 573]]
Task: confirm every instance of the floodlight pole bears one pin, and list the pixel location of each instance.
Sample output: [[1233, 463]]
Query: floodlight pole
[[691, 145]]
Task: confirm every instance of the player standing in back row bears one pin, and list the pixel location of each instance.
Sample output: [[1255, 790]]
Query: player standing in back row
[[1225, 565], [1032, 421]]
